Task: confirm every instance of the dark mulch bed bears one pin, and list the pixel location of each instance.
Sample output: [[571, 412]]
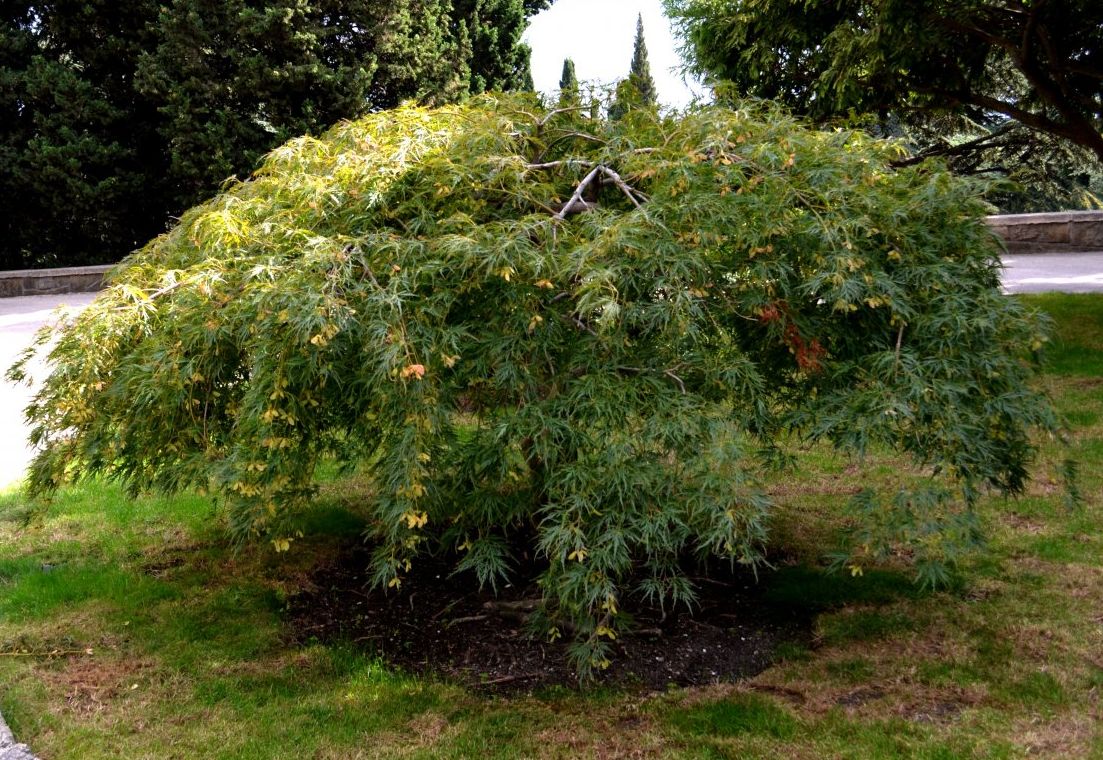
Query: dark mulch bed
[[437, 625]]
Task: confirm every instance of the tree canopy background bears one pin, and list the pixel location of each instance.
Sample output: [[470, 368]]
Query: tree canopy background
[[998, 86], [116, 115], [547, 334]]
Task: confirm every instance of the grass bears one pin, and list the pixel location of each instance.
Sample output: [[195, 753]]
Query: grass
[[132, 628]]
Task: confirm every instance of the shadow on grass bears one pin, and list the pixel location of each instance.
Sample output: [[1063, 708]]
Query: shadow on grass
[[817, 589]]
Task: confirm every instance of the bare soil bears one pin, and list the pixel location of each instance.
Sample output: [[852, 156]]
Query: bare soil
[[440, 625]]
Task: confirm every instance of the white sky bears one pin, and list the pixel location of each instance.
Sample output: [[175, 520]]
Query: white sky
[[598, 35]]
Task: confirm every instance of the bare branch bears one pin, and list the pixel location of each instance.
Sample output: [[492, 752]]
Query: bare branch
[[567, 136], [676, 379], [552, 114], [578, 194], [556, 164], [978, 143], [583, 326], [899, 343], [576, 205], [625, 188]]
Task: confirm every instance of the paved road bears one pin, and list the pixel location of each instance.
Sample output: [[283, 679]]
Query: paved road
[[1066, 272], [20, 317]]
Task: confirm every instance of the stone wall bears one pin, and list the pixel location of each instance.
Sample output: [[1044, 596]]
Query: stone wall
[[42, 282], [1050, 233]]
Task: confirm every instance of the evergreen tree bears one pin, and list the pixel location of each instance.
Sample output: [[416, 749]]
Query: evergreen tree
[[639, 88], [524, 74], [234, 77], [498, 59], [568, 85], [639, 74], [935, 65], [115, 115], [80, 164]]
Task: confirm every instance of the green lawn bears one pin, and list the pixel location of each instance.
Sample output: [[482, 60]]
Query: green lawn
[[131, 628]]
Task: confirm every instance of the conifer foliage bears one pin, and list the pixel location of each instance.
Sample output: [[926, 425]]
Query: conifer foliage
[[639, 75], [568, 85], [117, 114], [639, 88], [581, 340]]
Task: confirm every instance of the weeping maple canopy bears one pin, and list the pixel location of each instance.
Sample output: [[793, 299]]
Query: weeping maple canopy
[[544, 331]]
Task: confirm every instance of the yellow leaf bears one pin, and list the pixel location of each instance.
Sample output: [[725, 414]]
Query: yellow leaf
[[505, 273], [449, 361], [281, 544], [535, 322], [855, 571], [545, 284], [415, 519], [394, 582], [413, 370], [604, 630], [578, 554]]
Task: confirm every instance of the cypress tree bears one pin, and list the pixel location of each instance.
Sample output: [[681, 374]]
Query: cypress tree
[[639, 88], [568, 85], [498, 59], [524, 73], [640, 72]]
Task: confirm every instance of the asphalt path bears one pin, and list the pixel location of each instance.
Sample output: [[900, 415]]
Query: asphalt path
[[21, 317], [1047, 272]]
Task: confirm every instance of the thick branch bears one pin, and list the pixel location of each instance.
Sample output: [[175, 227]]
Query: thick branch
[[577, 194], [576, 204], [624, 187], [1048, 82], [1077, 128], [1080, 130], [978, 143]]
